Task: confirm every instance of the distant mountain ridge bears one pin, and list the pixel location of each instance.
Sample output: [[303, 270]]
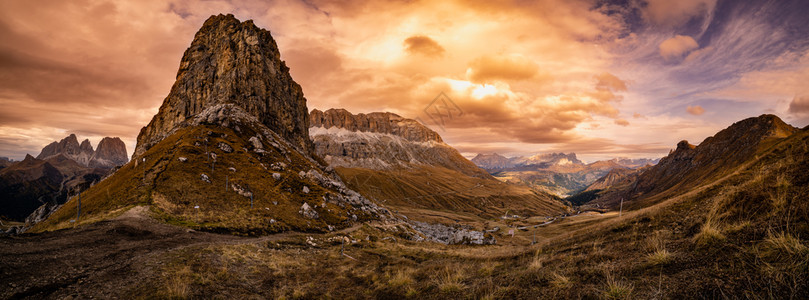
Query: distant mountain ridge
[[111, 152], [380, 141], [61, 170], [496, 161], [688, 165], [405, 165], [562, 174]]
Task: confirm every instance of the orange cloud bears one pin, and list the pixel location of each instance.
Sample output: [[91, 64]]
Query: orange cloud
[[419, 44], [607, 81], [501, 67], [621, 122], [673, 13], [695, 110], [84, 68], [677, 47]]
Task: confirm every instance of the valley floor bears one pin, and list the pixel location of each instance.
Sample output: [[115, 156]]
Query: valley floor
[[134, 255]]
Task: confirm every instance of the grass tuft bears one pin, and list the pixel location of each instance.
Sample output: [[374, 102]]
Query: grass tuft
[[402, 277], [450, 280], [617, 289], [659, 257], [560, 281], [178, 283], [709, 236], [658, 254], [786, 243]]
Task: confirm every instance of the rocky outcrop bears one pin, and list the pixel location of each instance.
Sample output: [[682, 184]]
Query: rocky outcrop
[[382, 141], [453, 235], [377, 122], [111, 153], [232, 62]]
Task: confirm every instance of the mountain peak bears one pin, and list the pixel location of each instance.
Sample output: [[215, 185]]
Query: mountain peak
[[111, 152], [234, 63], [717, 154]]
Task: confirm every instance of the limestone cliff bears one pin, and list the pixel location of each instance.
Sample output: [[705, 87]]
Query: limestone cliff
[[382, 141], [232, 62], [111, 152]]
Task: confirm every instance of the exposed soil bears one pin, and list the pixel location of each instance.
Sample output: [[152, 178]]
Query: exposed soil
[[96, 260]]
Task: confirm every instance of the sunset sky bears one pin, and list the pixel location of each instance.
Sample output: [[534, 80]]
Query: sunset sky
[[599, 78]]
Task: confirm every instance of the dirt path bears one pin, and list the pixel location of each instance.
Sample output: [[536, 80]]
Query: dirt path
[[81, 262]]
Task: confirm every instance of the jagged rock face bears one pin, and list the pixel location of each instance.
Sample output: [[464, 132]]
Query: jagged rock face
[[378, 122], [111, 153], [492, 161], [70, 148], [236, 63], [382, 141]]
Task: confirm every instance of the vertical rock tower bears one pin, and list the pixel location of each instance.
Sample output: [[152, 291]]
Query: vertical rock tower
[[232, 62]]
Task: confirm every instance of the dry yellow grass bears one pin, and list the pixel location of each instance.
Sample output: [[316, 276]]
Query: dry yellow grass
[[536, 261], [178, 282], [560, 281], [709, 235], [450, 279], [402, 277], [617, 289]]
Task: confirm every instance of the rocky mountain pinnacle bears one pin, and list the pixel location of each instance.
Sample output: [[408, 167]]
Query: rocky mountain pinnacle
[[237, 63], [111, 152], [70, 148]]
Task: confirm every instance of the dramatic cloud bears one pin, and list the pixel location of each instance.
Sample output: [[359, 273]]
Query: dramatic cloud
[[677, 47], [419, 44], [673, 13], [695, 110], [546, 75], [511, 67]]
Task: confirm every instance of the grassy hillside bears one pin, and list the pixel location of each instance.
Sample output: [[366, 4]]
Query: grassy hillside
[[744, 236], [439, 194], [174, 187]]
